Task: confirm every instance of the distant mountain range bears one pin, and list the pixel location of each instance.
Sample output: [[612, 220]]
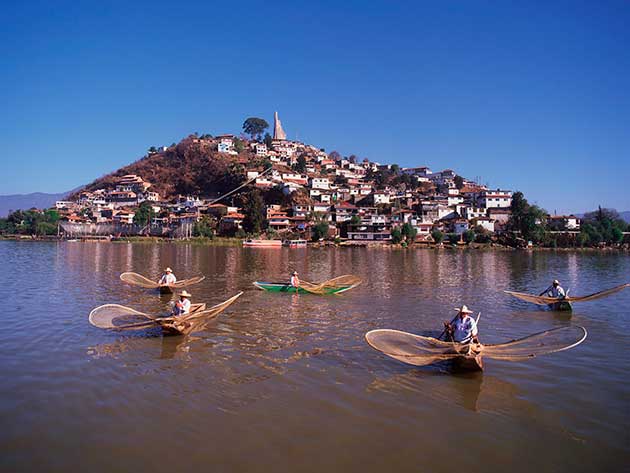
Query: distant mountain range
[[38, 200]]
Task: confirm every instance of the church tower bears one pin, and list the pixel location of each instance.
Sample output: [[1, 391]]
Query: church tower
[[278, 132]]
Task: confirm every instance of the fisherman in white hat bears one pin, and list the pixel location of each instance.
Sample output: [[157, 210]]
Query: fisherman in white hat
[[555, 290], [168, 278], [463, 328], [295, 280], [182, 306]]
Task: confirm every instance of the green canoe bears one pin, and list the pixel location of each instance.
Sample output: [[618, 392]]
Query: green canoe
[[285, 287]]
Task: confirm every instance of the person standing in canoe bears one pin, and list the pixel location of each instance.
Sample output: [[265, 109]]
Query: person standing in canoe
[[463, 328], [182, 306], [295, 281], [167, 278], [555, 290]]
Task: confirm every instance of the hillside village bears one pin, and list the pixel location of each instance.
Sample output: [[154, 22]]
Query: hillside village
[[306, 193]]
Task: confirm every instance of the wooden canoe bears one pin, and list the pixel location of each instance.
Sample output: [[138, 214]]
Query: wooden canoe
[[285, 287], [564, 306], [171, 327]]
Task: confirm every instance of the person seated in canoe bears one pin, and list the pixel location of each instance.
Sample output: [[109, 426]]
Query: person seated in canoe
[[182, 306], [295, 280], [167, 278], [555, 290], [463, 328]]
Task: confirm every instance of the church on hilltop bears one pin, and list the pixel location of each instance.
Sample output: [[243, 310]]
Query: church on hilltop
[[278, 132]]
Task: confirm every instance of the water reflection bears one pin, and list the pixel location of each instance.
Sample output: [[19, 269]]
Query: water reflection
[[289, 377]]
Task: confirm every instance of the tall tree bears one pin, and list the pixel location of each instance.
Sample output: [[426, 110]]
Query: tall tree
[[268, 140], [144, 214], [459, 181], [254, 210], [255, 127], [300, 165]]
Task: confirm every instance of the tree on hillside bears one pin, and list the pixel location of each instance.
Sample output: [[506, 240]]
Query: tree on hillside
[[268, 140], [396, 236], [254, 210], [255, 127], [334, 155], [437, 235], [239, 145], [144, 214], [152, 150], [602, 225], [300, 165], [395, 168], [409, 232], [527, 219], [459, 181]]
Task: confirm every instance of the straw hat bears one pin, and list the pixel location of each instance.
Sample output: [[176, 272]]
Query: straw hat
[[185, 293], [463, 309], [555, 281], [168, 270]]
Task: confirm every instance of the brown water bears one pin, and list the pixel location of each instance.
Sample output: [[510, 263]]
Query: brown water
[[282, 382]]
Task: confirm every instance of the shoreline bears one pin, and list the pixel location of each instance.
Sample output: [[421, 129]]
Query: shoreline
[[238, 242]]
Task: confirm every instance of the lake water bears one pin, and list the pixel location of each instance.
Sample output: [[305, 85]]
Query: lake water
[[286, 383]]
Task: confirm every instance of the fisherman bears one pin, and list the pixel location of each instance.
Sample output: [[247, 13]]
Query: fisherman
[[167, 278], [182, 306], [463, 328], [555, 290], [295, 280]]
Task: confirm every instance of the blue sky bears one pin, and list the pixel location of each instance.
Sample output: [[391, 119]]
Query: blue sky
[[533, 96]]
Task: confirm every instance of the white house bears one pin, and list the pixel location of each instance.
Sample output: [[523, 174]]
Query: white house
[[319, 183], [484, 222], [498, 199]]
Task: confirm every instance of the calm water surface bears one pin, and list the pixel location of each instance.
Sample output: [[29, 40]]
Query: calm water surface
[[286, 383]]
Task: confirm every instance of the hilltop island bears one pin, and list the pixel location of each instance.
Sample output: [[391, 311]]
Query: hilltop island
[[272, 187]]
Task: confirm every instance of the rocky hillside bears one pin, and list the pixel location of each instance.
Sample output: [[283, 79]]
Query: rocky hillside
[[192, 167]]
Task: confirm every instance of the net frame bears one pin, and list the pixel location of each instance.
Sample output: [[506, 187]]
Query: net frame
[[105, 316], [135, 279], [347, 281], [419, 350], [546, 300]]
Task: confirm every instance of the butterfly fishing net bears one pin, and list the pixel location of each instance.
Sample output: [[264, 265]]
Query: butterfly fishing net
[[139, 280], [549, 341], [415, 349], [188, 282], [136, 279], [599, 295], [346, 281], [544, 300], [419, 350], [119, 317], [197, 318]]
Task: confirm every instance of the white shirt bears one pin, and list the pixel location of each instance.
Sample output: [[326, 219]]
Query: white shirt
[[295, 281], [557, 292], [168, 278], [184, 309], [464, 329]]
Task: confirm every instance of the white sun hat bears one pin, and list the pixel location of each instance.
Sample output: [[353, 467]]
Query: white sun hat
[[463, 309]]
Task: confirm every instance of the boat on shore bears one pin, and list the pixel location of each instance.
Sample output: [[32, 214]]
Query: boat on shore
[[295, 243], [286, 287], [251, 243]]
